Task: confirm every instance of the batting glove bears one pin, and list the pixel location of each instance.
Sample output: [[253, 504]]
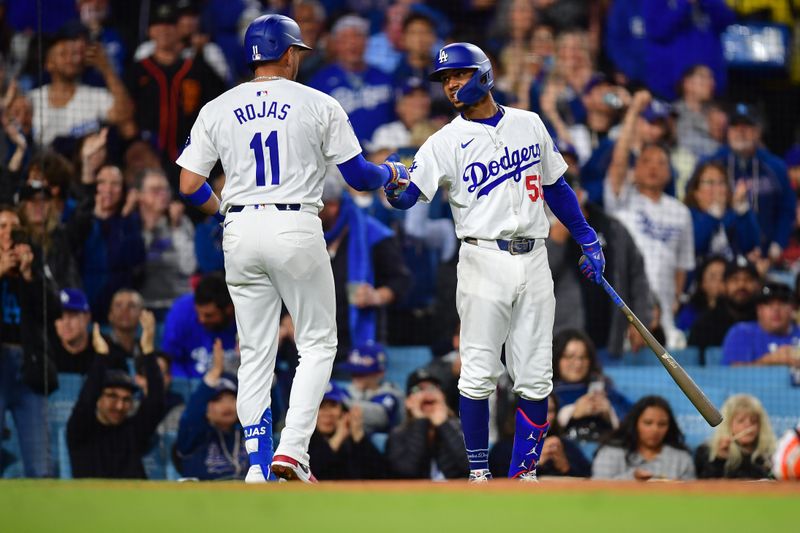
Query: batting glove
[[399, 179], [595, 262]]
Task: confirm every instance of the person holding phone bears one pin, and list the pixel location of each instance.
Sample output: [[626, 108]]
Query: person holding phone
[[590, 405]]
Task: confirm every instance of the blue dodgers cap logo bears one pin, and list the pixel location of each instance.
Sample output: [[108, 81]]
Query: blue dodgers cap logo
[[511, 164]]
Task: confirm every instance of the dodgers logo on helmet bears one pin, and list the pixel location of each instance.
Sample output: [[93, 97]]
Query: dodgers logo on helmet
[[269, 36], [466, 56]]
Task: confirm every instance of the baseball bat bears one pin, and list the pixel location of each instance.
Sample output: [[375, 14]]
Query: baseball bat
[[679, 375]]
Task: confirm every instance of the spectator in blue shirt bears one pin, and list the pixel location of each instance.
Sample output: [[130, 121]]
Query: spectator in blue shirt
[[365, 93], [194, 322], [773, 339], [210, 444], [680, 34], [769, 192]]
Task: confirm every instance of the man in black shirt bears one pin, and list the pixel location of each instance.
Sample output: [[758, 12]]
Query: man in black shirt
[[75, 354], [103, 440], [742, 283]]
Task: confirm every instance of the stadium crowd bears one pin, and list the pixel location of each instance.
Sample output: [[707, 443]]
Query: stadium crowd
[[684, 152]]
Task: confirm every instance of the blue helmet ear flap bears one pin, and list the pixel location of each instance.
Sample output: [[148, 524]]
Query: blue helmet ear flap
[[478, 85]]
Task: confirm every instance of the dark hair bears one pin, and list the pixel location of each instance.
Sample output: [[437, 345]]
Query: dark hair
[[658, 145], [212, 290], [698, 298], [57, 170], [415, 16], [694, 182], [626, 436], [138, 362], [560, 342]]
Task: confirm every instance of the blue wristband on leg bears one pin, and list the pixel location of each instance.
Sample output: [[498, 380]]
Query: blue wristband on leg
[[200, 196]]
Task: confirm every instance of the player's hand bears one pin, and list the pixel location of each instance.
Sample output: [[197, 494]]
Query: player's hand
[[98, 341], [356, 423], [148, 322], [595, 262], [399, 178]]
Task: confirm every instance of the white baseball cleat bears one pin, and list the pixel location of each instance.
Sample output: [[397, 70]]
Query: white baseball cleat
[[255, 475], [528, 477], [290, 469], [479, 476]]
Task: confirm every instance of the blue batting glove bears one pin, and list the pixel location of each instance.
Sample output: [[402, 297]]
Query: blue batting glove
[[595, 262], [399, 179]]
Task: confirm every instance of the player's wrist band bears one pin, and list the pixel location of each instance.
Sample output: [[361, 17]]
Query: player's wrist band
[[200, 196]]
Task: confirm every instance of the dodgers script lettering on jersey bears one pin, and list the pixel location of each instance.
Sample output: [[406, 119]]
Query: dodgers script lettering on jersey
[[494, 175], [274, 139]]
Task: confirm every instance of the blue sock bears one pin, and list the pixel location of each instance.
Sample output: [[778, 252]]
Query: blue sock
[[258, 442], [475, 425], [535, 410]]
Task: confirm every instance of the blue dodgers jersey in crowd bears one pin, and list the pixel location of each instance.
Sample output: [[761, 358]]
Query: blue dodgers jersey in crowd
[[367, 97], [747, 342], [190, 344]]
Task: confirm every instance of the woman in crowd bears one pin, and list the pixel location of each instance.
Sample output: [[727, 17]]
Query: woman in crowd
[[590, 406], [722, 219], [742, 445], [708, 287], [647, 445]]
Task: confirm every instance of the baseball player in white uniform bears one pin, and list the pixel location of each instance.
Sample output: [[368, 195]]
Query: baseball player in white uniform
[[499, 165], [274, 138]]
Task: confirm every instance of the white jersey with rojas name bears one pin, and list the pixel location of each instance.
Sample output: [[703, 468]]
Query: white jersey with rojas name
[[274, 139], [494, 175]]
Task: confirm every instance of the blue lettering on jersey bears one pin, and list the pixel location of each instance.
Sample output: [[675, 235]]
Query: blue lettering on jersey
[[656, 231], [513, 162], [261, 110]]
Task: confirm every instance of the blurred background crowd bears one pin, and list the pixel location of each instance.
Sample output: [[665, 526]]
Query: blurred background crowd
[[679, 122]]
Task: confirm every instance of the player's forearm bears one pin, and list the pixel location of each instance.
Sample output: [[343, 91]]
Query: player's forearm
[[197, 193], [362, 175], [564, 204]]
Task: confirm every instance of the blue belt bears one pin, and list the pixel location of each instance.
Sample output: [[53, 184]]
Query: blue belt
[[514, 246], [279, 207]]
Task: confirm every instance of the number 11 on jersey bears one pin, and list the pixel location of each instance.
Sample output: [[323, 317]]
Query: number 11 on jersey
[[274, 163]]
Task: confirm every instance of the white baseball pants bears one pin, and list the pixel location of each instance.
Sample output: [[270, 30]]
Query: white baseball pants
[[505, 299], [272, 255]]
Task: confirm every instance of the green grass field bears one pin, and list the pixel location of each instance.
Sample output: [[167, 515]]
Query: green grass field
[[148, 507]]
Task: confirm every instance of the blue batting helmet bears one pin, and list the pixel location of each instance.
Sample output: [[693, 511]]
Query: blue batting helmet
[[269, 36], [466, 55]]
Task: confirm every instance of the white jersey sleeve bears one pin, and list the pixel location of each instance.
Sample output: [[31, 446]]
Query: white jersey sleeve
[[685, 259], [427, 171], [199, 155], [553, 164], [339, 143]]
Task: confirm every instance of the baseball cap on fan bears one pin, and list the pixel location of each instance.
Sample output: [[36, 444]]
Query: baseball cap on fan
[[744, 114], [365, 359], [163, 13], [74, 300], [740, 264], [227, 384], [334, 393], [657, 110]]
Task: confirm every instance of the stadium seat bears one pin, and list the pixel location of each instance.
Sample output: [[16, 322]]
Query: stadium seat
[[645, 357], [64, 465], [402, 360], [713, 356]]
